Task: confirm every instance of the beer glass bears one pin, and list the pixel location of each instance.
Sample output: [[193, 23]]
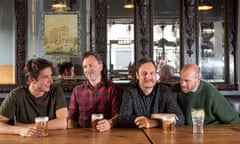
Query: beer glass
[[42, 123], [95, 118], [168, 124]]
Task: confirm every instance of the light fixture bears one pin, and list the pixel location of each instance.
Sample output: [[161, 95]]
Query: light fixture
[[60, 6], [204, 6], [128, 4]]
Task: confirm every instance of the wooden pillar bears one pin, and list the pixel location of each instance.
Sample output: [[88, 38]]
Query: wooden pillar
[[100, 11], [230, 40], [21, 12], [101, 28], [189, 31], [143, 25]]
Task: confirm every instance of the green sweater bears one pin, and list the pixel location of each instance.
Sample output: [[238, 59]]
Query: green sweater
[[217, 108]]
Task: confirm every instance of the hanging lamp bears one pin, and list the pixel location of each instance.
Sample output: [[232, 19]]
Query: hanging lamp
[[128, 4], [60, 6], [204, 6]]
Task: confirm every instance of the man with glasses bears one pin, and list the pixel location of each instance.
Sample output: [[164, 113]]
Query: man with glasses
[[94, 96]]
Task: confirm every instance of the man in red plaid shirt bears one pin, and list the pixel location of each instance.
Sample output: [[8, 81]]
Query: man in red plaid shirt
[[94, 96]]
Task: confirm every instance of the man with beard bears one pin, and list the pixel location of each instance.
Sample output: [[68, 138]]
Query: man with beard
[[194, 93], [94, 96], [145, 104], [39, 98]]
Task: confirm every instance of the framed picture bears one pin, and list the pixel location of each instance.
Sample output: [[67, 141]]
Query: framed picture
[[61, 33]]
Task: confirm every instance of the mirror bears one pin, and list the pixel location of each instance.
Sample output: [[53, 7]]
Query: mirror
[[211, 43], [13, 30], [58, 37], [166, 34], [120, 39]]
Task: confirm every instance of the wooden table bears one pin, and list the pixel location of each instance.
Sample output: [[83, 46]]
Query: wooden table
[[83, 136], [213, 134]]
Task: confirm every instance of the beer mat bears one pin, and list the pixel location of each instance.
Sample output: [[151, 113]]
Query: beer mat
[[236, 129]]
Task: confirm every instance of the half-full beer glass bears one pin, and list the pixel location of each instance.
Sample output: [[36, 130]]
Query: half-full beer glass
[[168, 124], [42, 123], [95, 118]]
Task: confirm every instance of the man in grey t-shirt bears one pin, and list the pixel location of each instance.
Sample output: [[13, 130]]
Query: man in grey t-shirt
[[38, 98]]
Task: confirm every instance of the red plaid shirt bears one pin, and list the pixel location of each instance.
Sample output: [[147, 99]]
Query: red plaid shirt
[[106, 98]]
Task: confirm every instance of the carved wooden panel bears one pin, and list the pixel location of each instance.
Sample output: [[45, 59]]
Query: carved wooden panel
[[21, 14], [143, 44], [231, 35], [189, 34], [230, 42], [101, 28]]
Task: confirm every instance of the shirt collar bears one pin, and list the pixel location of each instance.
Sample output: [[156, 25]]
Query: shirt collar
[[143, 94], [99, 85]]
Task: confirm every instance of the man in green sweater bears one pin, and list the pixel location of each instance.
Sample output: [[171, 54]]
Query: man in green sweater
[[194, 93]]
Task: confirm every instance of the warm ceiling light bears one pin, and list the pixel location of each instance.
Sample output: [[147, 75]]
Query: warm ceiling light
[[204, 6], [60, 6], [128, 4]]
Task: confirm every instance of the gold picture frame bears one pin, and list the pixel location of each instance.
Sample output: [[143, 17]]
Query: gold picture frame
[[61, 33]]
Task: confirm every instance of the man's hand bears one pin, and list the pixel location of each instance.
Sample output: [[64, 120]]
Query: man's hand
[[144, 122], [162, 115], [31, 132], [103, 125]]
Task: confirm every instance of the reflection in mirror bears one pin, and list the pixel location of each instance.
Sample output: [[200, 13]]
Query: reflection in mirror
[[211, 43], [166, 34], [121, 45], [40, 17], [166, 45], [46, 24], [7, 41], [120, 39]]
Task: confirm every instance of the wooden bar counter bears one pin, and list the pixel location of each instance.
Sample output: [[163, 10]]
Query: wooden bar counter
[[83, 136], [213, 134]]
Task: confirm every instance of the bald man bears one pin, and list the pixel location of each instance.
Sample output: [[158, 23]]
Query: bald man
[[192, 92]]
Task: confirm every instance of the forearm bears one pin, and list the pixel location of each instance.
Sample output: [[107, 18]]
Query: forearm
[[114, 121], [174, 108], [127, 121], [58, 123], [9, 129], [72, 124], [226, 113]]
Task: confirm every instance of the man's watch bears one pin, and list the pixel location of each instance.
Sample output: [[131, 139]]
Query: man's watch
[[12, 121]]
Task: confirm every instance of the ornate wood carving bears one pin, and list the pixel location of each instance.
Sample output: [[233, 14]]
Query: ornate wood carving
[[143, 29], [101, 31], [21, 43], [230, 37], [230, 41], [101, 28], [189, 31]]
